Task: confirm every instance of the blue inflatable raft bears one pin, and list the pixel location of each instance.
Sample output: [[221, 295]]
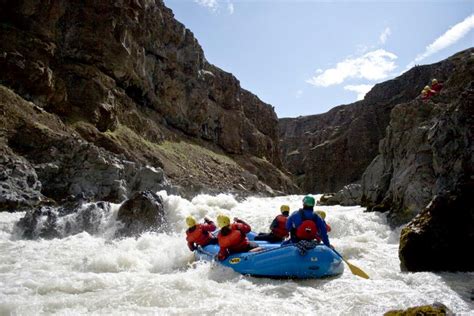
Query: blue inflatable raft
[[277, 261]]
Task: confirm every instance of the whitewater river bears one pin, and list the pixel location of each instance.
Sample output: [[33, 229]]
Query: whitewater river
[[154, 274]]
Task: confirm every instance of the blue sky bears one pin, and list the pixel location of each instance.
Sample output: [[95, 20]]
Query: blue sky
[[305, 57]]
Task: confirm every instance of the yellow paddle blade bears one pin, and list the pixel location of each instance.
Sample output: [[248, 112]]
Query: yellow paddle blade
[[356, 270]]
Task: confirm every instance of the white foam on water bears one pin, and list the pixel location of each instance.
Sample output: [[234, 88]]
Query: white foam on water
[[87, 274]]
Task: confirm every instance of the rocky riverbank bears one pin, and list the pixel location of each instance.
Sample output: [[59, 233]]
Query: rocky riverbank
[[129, 103]]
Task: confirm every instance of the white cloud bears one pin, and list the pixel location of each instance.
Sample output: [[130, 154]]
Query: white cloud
[[360, 89], [230, 7], [450, 37], [216, 5], [362, 49], [374, 65], [211, 4], [384, 35], [299, 93]]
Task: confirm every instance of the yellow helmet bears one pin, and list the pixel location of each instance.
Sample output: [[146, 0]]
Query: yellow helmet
[[284, 208], [223, 220], [321, 214], [427, 88], [190, 221], [434, 81]]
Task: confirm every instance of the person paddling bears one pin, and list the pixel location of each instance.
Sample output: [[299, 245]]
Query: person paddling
[[304, 224], [278, 230], [233, 237], [199, 234]]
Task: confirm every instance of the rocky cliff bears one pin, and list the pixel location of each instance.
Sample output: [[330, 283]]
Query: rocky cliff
[[96, 94], [428, 148], [328, 151], [425, 171], [421, 171]]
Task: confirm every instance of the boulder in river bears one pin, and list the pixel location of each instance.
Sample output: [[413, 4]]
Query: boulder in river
[[440, 238], [144, 211], [349, 195], [74, 216], [437, 309]]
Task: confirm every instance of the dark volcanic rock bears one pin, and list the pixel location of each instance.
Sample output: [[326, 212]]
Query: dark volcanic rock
[[44, 160], [127, 76], [144, 211], [437, 238], [349, 195], [327, 199], [428, 148], [19, 185], [68, 166], [73, 217], [330, 150]]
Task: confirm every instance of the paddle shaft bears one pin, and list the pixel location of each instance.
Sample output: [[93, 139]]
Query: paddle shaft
[[354, 269]]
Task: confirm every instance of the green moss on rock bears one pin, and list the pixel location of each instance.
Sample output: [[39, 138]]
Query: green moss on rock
[[425, 310]]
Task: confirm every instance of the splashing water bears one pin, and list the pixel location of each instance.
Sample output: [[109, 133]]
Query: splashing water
[[154, 274]]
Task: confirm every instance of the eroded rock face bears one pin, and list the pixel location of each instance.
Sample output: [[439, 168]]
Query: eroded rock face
[[424, 174], [69, 166], [144, 211], [19, 185], [127, 76], [436, 239], [328, 151], [349, 195], [46, 161], [428, 148]]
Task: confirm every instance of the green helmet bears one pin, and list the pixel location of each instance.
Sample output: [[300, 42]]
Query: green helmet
[[308, 200]]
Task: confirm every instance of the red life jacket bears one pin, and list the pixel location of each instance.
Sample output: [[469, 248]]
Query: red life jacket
[[235, 241], [280, 229], [198, 236], [307, 230], [328, 229], [437, 87]]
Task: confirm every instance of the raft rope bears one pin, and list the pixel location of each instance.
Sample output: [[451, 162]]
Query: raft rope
[[305, 245]]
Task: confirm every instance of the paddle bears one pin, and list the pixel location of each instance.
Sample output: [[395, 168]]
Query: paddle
[[355, 270]]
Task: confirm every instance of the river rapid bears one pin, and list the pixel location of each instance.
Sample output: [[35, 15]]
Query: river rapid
[[155, 273]]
